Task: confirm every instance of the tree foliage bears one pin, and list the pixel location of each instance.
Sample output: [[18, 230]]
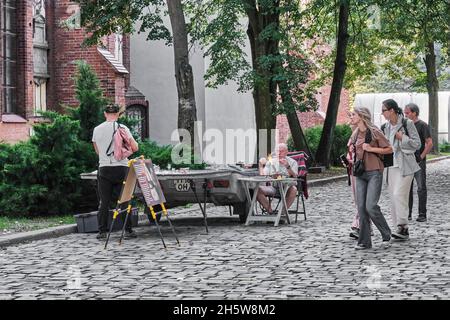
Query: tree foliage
[[90, 98], [104, 17]]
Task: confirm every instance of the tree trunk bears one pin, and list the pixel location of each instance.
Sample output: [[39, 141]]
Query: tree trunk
[[298, 137], [433, 102], [264, 92], [187, 112], [340, 65]]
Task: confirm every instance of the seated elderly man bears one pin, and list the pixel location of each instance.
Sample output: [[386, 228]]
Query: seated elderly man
[[279, 165]]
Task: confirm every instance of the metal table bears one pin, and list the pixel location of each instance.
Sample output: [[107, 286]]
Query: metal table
[[254, 183]]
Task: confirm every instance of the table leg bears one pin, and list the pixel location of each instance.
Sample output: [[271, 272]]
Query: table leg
[[251, 211], [284, 208]]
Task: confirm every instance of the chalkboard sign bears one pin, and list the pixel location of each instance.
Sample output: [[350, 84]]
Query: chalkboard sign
[[148, 182]]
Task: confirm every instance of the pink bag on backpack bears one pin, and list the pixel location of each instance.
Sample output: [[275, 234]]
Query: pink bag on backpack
[[122, 144]]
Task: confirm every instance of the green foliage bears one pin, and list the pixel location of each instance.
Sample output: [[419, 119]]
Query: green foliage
[[161, 155], [278, 64], [90, 96], [130, 123], [342, 133], [41, 176], [444, 146], [104, 17]]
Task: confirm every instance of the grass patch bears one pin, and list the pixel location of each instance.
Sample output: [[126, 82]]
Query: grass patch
[[328, 173], [432, 156], [10, 225]]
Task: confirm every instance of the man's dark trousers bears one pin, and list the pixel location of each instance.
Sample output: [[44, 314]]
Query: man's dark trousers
[[110, 182], [421, 180]]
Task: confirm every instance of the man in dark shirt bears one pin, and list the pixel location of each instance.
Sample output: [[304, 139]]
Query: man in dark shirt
[[412, 112]]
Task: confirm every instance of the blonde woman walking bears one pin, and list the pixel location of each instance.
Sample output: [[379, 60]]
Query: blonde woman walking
[[368, 143]]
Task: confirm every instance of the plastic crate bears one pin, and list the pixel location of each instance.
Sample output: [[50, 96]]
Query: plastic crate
[[87, 222]]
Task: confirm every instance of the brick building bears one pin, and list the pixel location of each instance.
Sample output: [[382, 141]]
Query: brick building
[[39, 42], [315, 118]]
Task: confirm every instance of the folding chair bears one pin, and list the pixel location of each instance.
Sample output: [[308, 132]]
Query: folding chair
[[302, 192]]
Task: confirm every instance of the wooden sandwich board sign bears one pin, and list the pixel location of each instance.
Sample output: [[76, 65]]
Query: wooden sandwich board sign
[[140, 171]]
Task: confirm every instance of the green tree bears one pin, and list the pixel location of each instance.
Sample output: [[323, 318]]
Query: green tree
[[105, 17], [91, 99], [277, 71], [342, 41], [421, 24]]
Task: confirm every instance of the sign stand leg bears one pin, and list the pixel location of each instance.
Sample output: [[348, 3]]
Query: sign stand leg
[[125, 223], [157, 225], [115, 214], [170, 222]]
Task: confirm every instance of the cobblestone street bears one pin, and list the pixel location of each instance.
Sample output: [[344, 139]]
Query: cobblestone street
[[312, 259]]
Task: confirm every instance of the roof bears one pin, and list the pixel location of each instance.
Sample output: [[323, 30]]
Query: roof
[[116, 64]]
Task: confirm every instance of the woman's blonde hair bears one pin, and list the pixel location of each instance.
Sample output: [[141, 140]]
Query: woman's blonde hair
[[366, 117]]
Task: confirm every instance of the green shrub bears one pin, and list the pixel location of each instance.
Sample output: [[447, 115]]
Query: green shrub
[[444, 146], [342, 133], [161, 155], [42, 175]]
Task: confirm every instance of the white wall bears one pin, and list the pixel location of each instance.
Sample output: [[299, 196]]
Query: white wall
[[373, 102], [152, 73]]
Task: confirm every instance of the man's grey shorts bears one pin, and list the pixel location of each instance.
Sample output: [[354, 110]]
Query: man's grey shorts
[[270, 191]]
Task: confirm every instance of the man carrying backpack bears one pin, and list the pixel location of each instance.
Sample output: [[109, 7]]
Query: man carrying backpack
[[412, 112], [111, 171]]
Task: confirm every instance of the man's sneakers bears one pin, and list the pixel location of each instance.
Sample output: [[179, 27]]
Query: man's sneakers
[[410, 217], [354, 234], [421, 218], [385, 244], [102, 235], [401, 233], [361, 247]]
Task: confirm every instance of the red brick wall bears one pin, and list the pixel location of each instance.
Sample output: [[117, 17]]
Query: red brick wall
[[67, 49], [14, 132], [126, 58], [311, 119], [1, 66], [64, 49]]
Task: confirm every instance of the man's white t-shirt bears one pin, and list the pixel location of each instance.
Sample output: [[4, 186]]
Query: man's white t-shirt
[[275, 167], [102, 136]]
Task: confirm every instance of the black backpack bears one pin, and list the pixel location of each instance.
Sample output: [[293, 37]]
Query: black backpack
[[388, 159], [404, 123]]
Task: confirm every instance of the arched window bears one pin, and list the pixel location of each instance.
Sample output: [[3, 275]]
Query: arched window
[[139, 112]]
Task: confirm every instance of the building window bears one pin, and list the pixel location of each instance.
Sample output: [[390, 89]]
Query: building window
[[9, 54], [138, 113], [40, 94]]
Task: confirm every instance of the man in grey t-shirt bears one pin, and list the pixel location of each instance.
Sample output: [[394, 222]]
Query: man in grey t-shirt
[[111, 173]]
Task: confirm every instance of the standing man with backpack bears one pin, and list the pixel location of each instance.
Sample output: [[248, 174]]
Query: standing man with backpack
[[111, 171], [412, 112], [404, 138]]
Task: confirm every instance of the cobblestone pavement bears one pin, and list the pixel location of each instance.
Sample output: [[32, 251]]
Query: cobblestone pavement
[[313, 259]]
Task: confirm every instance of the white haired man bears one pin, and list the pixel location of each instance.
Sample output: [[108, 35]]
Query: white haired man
[[279, 165]]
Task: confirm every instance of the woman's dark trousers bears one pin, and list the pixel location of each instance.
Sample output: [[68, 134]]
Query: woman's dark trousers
[[368, 190]]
